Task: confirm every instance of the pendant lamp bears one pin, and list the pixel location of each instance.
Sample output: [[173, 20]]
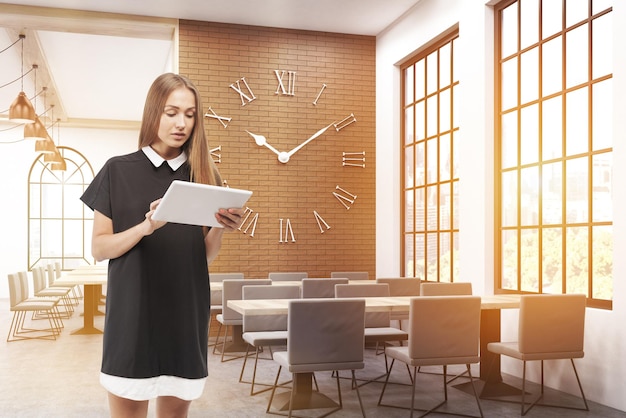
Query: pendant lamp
[[35, 130], [22, 110]]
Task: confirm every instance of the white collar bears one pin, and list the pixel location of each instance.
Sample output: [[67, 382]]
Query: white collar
[[157, 160]]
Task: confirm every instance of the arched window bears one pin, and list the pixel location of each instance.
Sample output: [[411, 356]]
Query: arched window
[[59, 224]]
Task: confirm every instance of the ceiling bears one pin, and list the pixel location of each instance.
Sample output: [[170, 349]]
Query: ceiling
[[97, 58]]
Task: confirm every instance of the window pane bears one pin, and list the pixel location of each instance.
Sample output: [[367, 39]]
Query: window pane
[[602, 182], [445, 79], [432, 207], [551, 18], [509, 198], [35, 200], [530, 196], [420, 215], [552, 260], [529, 252], [432, 161], [420, 162], [509, 260], [508, 38], [552, 129], [576, 53], [445, 206], [457, 206], [444, 111], [409, 125], [420, 251], [602, 58], [509, 84], [431, 73], [529, 26], [575, 11], [409, 254], [409, 97], [432, 256], [577, 122], [576, 196], [530, 75], [602, 262], [51, 238], [529, 143], [52, 204], [409, 167], [409, 210], [72, 206], [509, 140], [577, 260], [552, 66], [602, 120], [600, 5], [444, 157], [420, 79], [431, 116], [72, 245], [552, 193], [455, 257]]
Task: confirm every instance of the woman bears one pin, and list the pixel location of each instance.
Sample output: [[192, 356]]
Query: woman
[[157, 313]]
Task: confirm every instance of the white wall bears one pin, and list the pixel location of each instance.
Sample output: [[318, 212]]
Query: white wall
[[97, 145], [604, 365]]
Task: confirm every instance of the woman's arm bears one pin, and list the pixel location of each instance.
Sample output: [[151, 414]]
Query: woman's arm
[[230, 219], [107, 245]]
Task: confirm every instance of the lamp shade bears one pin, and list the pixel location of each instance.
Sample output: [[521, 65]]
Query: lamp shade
[[45, 145], [35, 130], [53, 157], [60, 166], [22, 110]]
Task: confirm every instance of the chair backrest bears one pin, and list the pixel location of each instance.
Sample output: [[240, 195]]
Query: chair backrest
[[16, 291], [288, 276], [267, 322], [352, 275], [39, 279], [326, 334], [49, 271], [402, 286], [24, 288], [372, 319], [445, 288], [57, 269], [232, 291], [445, 329], [220, 277], [552, 324], [320, 288]]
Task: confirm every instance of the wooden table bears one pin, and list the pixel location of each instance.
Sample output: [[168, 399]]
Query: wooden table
[[92, 278], [491, 305]]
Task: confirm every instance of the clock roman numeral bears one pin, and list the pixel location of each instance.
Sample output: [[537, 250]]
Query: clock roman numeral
[[345, 122], [344, 197], [320, 221], [215, 154], [291, 82], [352, 159], [245, 98], [288, 231], [248, 222], [221, 119]]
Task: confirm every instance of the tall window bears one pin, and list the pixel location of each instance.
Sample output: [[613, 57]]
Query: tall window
[[554, 148], [59, 225], [429, 163]]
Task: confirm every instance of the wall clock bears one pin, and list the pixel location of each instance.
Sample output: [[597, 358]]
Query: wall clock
[[287, 129]]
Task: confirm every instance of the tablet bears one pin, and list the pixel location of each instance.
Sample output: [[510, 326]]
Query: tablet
[[190, 203]]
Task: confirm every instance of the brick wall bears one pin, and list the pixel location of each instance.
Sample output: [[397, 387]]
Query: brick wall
[[216, 56]]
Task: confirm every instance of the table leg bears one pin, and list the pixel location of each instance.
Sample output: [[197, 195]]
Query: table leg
[[305, 397], [91, 295]]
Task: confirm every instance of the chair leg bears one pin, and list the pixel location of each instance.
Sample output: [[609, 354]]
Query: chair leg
[[469, 372], [382, 392], [358, 394], [217, 337], [269, 404], [582, 394]]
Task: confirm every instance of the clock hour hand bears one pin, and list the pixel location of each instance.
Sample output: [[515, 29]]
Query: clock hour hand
[[261, 141], [283, 157]]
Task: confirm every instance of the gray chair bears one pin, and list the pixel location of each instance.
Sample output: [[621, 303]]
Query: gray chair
[[231, 319], [293, 276], [551, 327], [216, 295], [378, 330], [401, 286], [261, 331], [20, 304], [445, 288], [320, 288], [333, 341], [443, 330], [352, 275]]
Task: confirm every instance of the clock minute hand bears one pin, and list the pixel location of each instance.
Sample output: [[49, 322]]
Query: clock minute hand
[[286, 155], [261, 141]]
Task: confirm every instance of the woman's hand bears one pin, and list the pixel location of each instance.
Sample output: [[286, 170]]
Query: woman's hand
[[149, 225], [230, 218]]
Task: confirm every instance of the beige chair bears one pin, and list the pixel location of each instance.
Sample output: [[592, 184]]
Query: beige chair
[[51, 274], [551, 327], [443, 330], [445, 289], [229, 318], [378, 330], [320, 288], [216, 295], [401, 286], [294, 276], [40, 289], [20, 304], [261, 331], [352, 275], [333, 341]]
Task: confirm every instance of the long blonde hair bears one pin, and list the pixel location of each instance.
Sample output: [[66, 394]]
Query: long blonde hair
[[203, 169]]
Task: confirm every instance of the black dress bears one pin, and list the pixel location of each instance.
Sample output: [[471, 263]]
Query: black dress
[[157, 304]]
